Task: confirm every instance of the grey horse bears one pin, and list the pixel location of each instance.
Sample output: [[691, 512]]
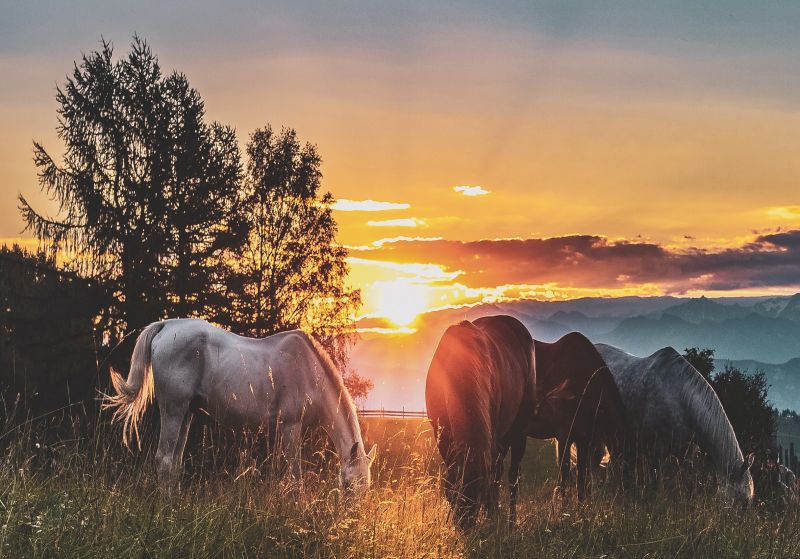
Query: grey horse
[[281, 384], [670, 406]]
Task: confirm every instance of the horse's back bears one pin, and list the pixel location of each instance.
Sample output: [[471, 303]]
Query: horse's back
[[242, 380], [652, 389], [571, 357]]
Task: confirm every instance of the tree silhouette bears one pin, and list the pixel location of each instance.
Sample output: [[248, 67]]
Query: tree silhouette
[[701, 359], [290, 273], [147, 191], [744, 397], [48, 345]]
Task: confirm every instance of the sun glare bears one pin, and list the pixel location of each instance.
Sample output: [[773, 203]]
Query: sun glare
[[401, 301]]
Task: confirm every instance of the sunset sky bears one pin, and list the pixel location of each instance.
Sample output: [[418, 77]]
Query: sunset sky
[[477, 151]]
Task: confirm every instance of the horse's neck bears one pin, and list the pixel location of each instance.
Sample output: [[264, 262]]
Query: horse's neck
[[339, 418]]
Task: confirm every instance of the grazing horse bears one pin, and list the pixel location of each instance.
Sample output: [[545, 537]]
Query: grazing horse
[[480, 377], [282, 384], [578, 403], [671, 406]]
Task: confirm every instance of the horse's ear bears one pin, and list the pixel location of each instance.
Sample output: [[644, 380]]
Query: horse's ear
[[354, 451], [373, 452]]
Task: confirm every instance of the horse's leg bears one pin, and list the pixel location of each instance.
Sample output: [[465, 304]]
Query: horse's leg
[[290, 445], [563, 462], [177, 455], [493, 500], [173, 415], [583, 448], [517, 452]]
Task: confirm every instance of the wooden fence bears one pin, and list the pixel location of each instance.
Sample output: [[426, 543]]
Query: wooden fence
[[401, 413]]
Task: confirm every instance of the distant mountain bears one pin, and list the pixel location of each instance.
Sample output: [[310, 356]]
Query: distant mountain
[[760, 332], [791, 311], [619, 307], [770, 340], [708, 310], [783, 379]]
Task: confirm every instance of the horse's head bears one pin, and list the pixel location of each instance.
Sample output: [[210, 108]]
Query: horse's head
[[739, 488], [356, 477], [465, 484]]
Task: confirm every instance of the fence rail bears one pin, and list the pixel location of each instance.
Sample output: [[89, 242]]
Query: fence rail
[[402, 413]]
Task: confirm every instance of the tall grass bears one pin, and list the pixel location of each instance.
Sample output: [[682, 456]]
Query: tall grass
[[84, 496]]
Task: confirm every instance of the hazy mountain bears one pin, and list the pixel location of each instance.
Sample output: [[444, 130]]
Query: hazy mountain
[[760, 332], [784, 379], [791, 311], [704, 309], [770, 340]]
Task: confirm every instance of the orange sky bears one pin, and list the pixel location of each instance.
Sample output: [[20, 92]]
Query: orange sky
[[677, 128]]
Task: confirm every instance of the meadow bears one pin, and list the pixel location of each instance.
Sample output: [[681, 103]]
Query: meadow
[[86, 496]]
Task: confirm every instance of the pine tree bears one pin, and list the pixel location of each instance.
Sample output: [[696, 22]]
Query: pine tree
[[147, 190]]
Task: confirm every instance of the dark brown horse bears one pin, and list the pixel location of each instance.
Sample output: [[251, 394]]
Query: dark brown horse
[[578, 404], [479, 382]]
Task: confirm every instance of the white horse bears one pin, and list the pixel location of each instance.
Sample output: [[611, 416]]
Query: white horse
[[282, 384], [671, 406]]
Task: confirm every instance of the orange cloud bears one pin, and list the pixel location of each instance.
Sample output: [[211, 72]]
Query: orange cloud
[[593, 262]]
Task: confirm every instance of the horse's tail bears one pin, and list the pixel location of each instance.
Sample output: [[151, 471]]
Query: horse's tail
[[134, 394]]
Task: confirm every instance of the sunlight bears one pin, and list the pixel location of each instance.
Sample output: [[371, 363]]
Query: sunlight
[[401, 301]]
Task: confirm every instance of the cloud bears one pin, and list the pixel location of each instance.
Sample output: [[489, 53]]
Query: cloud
[[401, 238], [344, 205], [764, 262], [402, 222], [784, 212], [471, 190], [416, 270]]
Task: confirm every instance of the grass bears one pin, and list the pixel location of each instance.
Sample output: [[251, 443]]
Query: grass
[[86, 497]]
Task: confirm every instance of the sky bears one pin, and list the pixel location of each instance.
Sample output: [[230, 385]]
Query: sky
[[481, 152]]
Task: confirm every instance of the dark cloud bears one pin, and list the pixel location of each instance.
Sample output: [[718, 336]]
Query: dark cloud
[[770, 260]]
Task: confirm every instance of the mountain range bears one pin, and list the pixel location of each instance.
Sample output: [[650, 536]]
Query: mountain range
[[752, 333]]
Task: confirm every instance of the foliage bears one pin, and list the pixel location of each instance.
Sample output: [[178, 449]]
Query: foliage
[[147, 191], [744, 396], [290, 273], [359, 386], [701, 359], [47, 332]]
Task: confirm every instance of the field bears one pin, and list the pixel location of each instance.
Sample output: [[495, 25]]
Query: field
[[87, 497]]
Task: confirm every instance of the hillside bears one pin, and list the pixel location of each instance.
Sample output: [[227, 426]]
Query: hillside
[[755, 332], [783, 379]]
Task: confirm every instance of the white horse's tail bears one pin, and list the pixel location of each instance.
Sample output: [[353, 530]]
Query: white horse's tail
[[134, 394]]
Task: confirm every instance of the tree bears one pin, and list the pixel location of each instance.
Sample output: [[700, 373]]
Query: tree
[[744, 397], [701, 359], [147, 191], [358, 386], [290, 273], [48, 344]]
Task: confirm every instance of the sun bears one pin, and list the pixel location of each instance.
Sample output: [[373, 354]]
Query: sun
[[401, 301]]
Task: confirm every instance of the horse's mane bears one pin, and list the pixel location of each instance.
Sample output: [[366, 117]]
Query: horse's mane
[[333, 373], [713, 427], [466, 344]]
